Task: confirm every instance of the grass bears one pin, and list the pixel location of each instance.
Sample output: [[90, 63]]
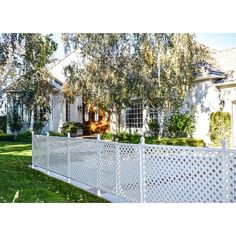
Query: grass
[[33, 186]]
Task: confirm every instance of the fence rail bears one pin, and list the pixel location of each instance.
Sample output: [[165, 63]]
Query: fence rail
[[141, 172]]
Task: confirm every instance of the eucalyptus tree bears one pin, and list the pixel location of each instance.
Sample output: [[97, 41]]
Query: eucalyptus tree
[[104, 72], [24, 58], [156, 68], [170, 63]]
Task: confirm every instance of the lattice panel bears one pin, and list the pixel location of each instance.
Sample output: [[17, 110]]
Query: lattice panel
[[107, 167], [58, 148], [40, 151], [180, 174], [83, 161], [129, 172], [169, 173], [231, 175]]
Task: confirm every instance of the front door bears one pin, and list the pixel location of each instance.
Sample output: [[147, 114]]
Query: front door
[[95, 122]]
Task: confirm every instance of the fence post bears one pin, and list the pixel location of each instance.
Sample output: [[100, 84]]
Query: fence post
[[48, 155], [98, 164], [117, 156], [142, 180], [225, 171], [32, 149], [68, 158]]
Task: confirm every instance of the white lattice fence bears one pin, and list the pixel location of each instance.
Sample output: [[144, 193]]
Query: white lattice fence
[[141, 172], [183, 174]]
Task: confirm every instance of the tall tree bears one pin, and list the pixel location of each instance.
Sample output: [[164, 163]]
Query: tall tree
[[26, 57], [156, 68]]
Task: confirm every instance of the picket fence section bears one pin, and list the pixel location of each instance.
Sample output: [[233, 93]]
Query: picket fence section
[[141, 172]]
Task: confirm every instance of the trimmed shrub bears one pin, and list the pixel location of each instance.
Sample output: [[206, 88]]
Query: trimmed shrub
[[181, 125], [52, 133], [7, 137], [107, 136], [135, 138], [3, 124], [176, 141], [220, 127], [24, 137], [154, 126], [15, 122], [71, 127]]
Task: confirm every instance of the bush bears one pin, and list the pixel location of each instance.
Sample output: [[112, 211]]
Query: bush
[[135, 138], [123, 136], [176, 141], [52, 133], [71, 127], [3, 124], [107, 136], [154, 126], [7, 137], [220, 127], [24, 137], [15, 122], [181, 125]]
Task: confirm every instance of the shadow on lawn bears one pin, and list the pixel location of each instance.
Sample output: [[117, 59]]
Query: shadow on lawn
[[11, 148]]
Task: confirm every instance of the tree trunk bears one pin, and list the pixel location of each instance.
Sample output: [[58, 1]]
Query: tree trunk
[[32, 119]]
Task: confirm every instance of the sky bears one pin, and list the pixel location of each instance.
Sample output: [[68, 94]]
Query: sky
[[218, 41]]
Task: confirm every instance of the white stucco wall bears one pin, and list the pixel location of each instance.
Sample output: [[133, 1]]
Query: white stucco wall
[[205, 98], [58, 116], [58, 69]]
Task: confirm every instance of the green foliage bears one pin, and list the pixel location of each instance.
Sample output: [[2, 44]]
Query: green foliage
[[53, 133], [3, 124], [135, 138], [154, 126], [71, 127], [124, 136], [107, 136], [15, 121], [7, 137], [176, 141], [39, 123], [28, 56], [25, 137], [220, 127], [157, 68], [180, 125]]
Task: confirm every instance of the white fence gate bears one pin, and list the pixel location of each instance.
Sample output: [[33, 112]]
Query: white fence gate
[[141, 172]]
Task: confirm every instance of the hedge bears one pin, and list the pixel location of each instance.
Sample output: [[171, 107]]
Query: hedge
[[176, 141], [25, 137], [220, 127], [135, 138], [7, 137]]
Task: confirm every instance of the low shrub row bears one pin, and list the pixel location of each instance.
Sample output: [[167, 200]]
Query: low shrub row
[[25, 137], [176, 141], [7, 137], [135, 138]]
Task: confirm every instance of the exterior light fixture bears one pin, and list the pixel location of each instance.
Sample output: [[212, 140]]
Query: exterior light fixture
[[79, 107], [106, 115], [86, 117], [222, 105], [96, 117]]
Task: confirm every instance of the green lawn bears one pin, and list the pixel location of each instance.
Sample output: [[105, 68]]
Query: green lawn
[[33, 186]]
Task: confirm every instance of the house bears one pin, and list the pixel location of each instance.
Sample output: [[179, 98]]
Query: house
[[213, 90]]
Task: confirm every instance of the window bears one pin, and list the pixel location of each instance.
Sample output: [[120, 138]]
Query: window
[[67, 111], [134, 115]]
